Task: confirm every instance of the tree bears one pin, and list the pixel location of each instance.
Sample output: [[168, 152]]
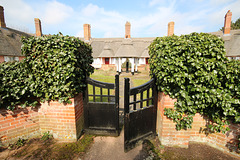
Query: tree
[[235, 25]]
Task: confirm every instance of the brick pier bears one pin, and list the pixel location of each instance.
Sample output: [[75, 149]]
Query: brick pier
[[64, 121]]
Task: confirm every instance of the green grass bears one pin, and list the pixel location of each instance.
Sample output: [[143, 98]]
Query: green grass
[[109, 77], [70, 150], [38, 148], [138, 82], [102, 76], [97, 92]]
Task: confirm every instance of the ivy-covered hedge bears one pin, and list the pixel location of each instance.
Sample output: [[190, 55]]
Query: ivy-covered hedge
[[55, 68], [194, 69], [14, 88]]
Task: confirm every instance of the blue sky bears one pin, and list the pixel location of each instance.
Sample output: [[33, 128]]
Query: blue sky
[[149, 18]]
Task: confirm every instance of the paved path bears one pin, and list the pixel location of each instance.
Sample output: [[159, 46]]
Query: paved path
[[111, 148]]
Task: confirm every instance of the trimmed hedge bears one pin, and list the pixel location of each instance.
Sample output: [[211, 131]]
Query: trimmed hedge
[[55, 68], [194, 69], [14, 88]]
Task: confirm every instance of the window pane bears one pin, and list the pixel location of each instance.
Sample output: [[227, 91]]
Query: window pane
[[16, 58], [10, 58], [6, 58]]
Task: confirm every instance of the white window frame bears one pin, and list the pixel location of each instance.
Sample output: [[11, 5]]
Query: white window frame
[[10, 58]]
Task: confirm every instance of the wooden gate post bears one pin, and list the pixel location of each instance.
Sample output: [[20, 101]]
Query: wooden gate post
[[117, 101], [126, 95]]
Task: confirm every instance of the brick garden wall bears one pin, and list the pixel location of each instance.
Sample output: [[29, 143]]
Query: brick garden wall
[[22, 122], [64, 121], [21, 58], [169, 136], [107, 67], [1, 59], [144, 67]]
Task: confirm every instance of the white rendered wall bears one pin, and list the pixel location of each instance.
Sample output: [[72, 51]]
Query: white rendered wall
[[142, 61]]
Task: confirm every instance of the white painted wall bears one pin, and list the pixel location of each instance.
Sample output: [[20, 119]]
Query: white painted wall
[[123, 60], [237, 58], [142, 61], [96, 63], [113, 61], [131, 60], [136, 61]]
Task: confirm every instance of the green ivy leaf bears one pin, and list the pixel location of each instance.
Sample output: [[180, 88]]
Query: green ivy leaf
[[193, 68]]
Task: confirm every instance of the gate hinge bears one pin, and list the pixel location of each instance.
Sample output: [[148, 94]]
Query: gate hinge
[[127, 116]]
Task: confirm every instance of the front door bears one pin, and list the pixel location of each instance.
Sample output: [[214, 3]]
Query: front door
[[106, 60]]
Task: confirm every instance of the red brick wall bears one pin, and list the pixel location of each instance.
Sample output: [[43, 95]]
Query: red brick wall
[[170, 28], [79, 120], [21, 58], [22, 122], [143, 67], [2, 19], [87, 32], [169, 136], [64, 121], [227, 22], [38, 27], [127, 30], [1, 59], [107, 67]]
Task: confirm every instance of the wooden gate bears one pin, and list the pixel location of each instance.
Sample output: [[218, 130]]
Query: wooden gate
[[140, 112], [101, 107]]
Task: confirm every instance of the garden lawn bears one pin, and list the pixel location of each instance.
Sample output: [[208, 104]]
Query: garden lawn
[[102, 76]]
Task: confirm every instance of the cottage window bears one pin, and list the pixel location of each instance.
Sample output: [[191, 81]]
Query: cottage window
[[10, 58], [236, 58]]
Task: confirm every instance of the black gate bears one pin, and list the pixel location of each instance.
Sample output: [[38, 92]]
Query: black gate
[[101, 107], [140, 111]]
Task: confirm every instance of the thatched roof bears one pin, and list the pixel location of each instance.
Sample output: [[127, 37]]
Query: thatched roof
[[126, 49], [231, 42], [145, 53], [10, 42], [138, 47], [119, 47], [107, 52]]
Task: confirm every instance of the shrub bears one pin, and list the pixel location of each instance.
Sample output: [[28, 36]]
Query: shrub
[[14, 85], [55, 68], [193, 68], [46, 136]]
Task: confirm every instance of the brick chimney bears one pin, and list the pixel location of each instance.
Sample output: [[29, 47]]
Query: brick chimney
[[38, 27], [2, 21], [128, 30], [227, 23], [87, 32], [170, 28]]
